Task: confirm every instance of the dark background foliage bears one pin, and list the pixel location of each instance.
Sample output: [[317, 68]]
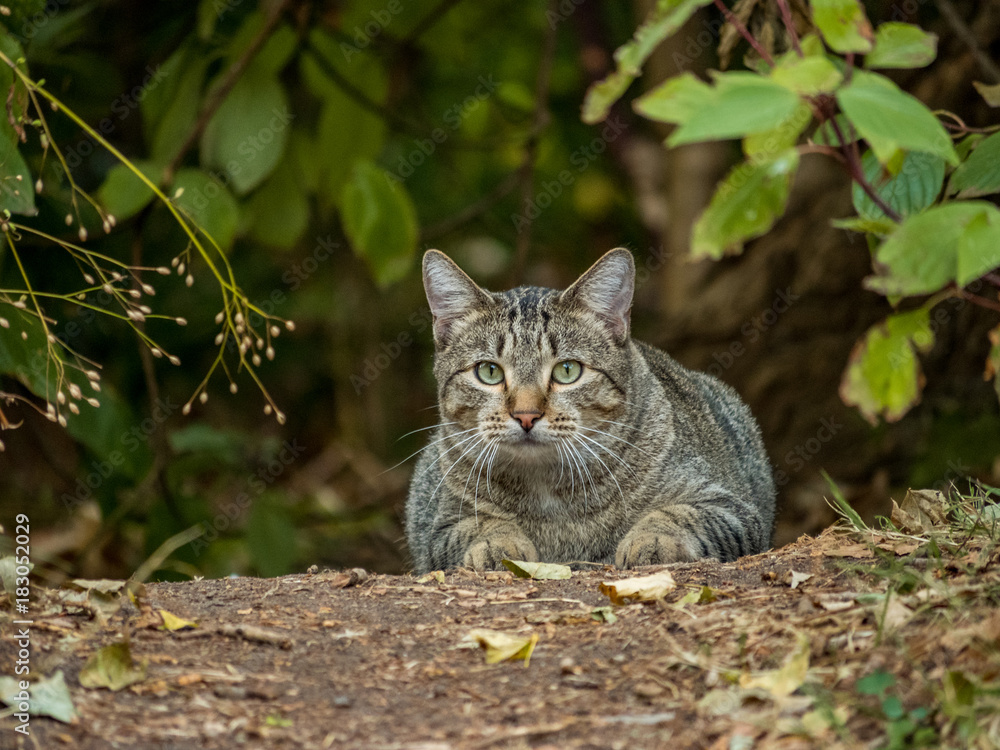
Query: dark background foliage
[[475, 109]]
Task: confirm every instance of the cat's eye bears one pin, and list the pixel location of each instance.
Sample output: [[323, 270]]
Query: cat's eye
[[568, 371], [489, 373]]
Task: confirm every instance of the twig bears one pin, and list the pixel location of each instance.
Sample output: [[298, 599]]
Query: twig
[[742, 30], [977, 300], [963, 32], [852, 162], [215, 98], [540, 118], [786, 16], [436, 14]]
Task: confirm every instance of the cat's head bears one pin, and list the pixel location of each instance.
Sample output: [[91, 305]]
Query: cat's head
[[531, 367]]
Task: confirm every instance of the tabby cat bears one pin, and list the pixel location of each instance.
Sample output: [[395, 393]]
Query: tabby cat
[[563, 440]]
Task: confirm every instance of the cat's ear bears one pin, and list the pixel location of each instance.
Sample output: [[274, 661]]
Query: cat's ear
[[451, 293], [606, 290]]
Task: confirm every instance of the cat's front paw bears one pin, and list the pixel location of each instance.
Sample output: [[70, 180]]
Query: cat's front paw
[[650, 549], [488, 554]]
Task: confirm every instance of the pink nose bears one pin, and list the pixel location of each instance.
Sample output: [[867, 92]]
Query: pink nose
[[527, 418]]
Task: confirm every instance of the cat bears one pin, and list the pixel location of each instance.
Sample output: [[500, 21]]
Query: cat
[[564, 440]]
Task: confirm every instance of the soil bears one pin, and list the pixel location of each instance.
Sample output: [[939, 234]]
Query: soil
[[768, 656]]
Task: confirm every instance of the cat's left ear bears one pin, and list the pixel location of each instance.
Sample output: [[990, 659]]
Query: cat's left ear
[[606, 290], [451, 293]]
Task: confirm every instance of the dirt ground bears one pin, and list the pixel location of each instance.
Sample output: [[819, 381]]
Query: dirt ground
[[835, 641]]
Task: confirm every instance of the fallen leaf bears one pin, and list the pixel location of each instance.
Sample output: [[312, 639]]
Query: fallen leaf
[[104, 585], [796, 578], [781, 683], [48, 697], [835, 605], [849, 550], [639, 589], [538, 570], [434, 575], [501, 646], [173, 622], [921, 511], [700, 595], [112, 667], [897, 614], [604, 614]]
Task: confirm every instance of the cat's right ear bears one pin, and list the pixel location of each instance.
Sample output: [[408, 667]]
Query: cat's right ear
[[451, 293]]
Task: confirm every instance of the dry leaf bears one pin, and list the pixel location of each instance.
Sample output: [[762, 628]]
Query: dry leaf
[[538, 570], [795, 578], [921, 511], [434, 575], [501, 646], [104, 585], [849, 550], [782, 682], [173, 622], [640, 589], [897, 614], [112, 667]]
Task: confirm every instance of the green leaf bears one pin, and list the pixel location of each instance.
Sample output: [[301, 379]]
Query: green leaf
[[347, 132], [170, 109], [915, 186], [990, 93], [123, 194], [17, 189], [745, 205], [922, 255], [112, 667], [49, 696], [890, 119], [246, 136], [742, 103], [676, 100], [210, 204], [274, 55], [883, 377], [662, 21], [381, 222], [537, 570], [902, 45], [786, 135], [104, 429], [843, 24], [979, 246], [980, 173], [279, 209], [880, 227], [807, 76]]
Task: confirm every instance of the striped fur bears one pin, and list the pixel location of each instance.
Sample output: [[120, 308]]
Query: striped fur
[[640, 461]]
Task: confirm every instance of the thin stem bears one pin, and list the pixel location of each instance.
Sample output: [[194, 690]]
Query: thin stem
[[852, 162], [977, 300], [963, 32], [742, 30], [786, 16]]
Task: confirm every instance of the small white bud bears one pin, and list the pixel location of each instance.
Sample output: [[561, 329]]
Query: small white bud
[[203, 396], [69, 220], [275, 331], [88, 278], [4, 323], [74, 390], [181, 321], [233, 388], [186, 409], [82, 234], [269, 352], [74, 408], [136, 316], [112, 220], [218, 339], [163, 270], [107, 288], [238, 318], [38, 185], [148, 289], [155, 352], [189, 280], [267, 409], [61, 420], [180, 269], [255, 358], [219, 316], [174, 359], [175, 261], [178, 192], [290, 325], [61, 397], [280, 416], [93, 402]]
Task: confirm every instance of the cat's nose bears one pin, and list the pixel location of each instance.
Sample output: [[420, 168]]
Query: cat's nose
[[526, 418]]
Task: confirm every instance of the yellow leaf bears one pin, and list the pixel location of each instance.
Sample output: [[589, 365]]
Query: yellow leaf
[[173, 622], [640, 589], [501, 646], [538, 570], [782, 682]]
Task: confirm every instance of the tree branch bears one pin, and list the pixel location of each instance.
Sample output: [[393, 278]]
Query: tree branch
[[742, 30], [786, 16], [218, 95]]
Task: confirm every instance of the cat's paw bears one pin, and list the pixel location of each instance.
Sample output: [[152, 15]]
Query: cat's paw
[[488, 554], [650, 549]]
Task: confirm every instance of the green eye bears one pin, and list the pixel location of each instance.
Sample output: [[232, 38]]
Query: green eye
[[490, 373], [567, 372]]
